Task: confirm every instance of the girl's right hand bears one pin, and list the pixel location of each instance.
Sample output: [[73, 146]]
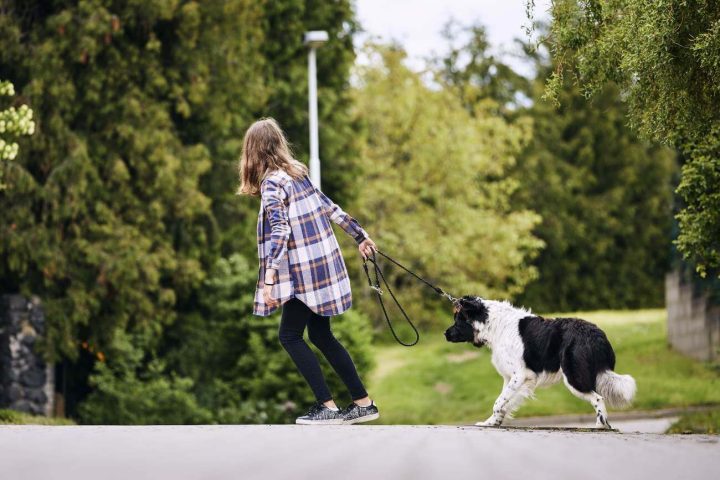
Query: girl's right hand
[[270, 276], [267, 296]]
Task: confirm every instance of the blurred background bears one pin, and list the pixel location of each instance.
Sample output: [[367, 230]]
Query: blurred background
[[562, 155]]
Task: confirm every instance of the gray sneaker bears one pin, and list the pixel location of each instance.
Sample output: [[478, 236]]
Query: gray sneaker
[[354, 413], [319, 414]]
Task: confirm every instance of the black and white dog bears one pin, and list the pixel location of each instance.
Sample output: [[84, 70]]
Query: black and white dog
[[529, 351]]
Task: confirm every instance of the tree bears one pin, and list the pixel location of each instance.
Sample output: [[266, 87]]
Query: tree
[[110, 223], [475, 74], [436, 186], [125, 200], [604, 196], [606, 202], [106, 222], [664, 57]]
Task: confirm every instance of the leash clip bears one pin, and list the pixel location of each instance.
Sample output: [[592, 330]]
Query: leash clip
[[375, 287]]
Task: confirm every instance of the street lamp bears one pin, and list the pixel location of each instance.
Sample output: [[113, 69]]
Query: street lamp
[[314, 40]]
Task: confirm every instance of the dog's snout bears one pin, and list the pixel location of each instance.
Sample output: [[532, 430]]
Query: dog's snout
[[450, 335]]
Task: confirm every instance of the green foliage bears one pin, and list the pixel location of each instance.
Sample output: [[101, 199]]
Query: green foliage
[[13, 123], [605, 198], [474, 74], [456, 383], [436, 192], [123, 396], [698, 422], [699, 221], [664, 56], [124, 200], [106, 220], [14, 417]]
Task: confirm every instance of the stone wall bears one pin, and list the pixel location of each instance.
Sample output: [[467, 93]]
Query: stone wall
[[693, 319], [26, 380]]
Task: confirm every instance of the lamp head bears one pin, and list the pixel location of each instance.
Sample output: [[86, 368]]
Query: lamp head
[[315, 38]]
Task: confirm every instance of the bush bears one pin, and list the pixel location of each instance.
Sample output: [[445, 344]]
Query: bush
[[128, 393], [14, 417]]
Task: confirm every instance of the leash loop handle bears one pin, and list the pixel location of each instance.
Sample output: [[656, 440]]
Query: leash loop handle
[[378, 291], [376, 286]]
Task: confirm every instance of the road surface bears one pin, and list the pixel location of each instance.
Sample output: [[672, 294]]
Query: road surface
[[363, 452]]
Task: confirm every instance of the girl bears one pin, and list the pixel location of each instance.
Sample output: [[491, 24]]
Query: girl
[[302, 268]]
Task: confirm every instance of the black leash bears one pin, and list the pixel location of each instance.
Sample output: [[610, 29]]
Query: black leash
[[378, 291]]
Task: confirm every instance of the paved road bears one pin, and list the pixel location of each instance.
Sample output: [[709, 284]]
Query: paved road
[[347, 452]]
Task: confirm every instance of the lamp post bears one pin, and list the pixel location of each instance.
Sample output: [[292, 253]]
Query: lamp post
[[314, 40]]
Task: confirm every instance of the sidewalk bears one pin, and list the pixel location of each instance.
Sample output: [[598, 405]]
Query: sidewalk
[[209, 452]]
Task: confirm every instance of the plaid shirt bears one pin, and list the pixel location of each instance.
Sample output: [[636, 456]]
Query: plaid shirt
[[295, 237]]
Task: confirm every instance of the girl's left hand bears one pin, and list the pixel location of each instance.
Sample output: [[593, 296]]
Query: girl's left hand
[[367, 247]]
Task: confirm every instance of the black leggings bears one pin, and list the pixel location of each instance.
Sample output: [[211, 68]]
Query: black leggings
[[295, 316]]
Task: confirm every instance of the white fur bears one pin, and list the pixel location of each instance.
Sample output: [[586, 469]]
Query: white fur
[[501, 334], [618, 390]]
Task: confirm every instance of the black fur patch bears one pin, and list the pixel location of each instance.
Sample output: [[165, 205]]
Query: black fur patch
[[472, 309], [579, 347], [467, 311]]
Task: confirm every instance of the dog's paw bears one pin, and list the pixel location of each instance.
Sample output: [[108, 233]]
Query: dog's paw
[[490, 422], [602, 422]]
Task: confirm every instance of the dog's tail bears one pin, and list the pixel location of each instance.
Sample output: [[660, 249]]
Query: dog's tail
[[618, 390]]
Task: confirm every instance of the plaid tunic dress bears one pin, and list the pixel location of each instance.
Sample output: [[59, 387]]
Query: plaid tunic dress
[[295, 237]]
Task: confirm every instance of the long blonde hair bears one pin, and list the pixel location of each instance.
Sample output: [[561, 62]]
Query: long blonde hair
[[265, 149]]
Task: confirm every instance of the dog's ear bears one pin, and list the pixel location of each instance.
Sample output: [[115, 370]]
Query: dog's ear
[[472, 308], [468, 301], [461, 303]]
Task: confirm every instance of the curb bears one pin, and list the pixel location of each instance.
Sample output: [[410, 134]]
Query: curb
[[616, 416]]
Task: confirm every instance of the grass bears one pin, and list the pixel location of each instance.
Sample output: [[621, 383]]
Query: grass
[[12, 417], [438, 382], [698, 422]]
